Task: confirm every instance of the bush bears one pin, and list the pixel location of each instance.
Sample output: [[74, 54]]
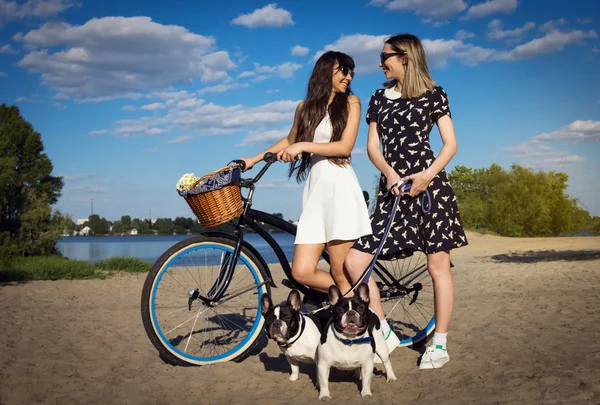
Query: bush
[[127, 264]]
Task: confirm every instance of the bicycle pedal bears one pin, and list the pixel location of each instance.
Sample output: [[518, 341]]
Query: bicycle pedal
[[287, 283]]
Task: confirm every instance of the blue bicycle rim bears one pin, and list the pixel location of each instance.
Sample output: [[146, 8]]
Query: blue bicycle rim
[[234, 349]]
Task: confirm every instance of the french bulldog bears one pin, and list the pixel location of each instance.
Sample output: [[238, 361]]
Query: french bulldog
[[350, 340], [296, 334]]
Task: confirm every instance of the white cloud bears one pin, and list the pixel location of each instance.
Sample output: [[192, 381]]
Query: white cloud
[[268, 16], [79, 177], [222, 88], [359, 151], [208, 119], [11, 10], [595, 50], [491, 7], [114, 57], [246, 74], [552, 25], [181, 139], [284, 70], [366, 48], [272, 91], [99, 132], [300, 50], [260, 78], [23, 99], [2, 74], [578, 131], [8, 48], [278, 183], [587, 20], [287, 69], [496, 31], [431, 8], [461, 35], [260, 137], [86, 189], [538, 153], [551, 42]]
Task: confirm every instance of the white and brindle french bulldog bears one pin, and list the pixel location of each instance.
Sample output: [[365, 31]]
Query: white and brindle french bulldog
[[296, 334], [350, 340]]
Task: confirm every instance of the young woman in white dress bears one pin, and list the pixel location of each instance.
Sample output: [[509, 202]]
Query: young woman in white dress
[[334, 212]]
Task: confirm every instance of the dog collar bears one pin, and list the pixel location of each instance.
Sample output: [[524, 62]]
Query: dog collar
[[288, 343], [350, 342]]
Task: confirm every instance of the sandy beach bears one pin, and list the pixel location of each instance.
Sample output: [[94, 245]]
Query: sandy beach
[[526, 330]]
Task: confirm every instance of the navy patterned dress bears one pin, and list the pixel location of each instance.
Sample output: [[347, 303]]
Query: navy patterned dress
[[404, 128]]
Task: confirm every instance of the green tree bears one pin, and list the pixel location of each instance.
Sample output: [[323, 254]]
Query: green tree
[[519, 202], [27, 187], [98, 226], [126, 223], [164, 226]]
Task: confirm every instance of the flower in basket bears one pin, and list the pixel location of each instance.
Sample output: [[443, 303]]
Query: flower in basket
[[186, 181]]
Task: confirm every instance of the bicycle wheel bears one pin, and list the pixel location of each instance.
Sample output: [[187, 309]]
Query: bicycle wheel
[[400, 282], [188, 331]]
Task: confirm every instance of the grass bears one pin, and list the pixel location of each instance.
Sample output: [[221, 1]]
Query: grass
[[60, 268]]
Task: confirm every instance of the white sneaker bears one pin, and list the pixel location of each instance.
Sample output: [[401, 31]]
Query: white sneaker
[[392, 341], [434, 357]]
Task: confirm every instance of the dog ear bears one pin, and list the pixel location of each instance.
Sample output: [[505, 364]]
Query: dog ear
[[266, 303], [334, 295], [294, 300], [363, 292]]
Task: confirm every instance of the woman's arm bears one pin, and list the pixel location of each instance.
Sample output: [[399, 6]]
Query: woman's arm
[[279, 145], [341, 148], [374, 152], [421, 180]]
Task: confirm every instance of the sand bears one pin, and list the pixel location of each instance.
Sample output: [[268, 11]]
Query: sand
[[526, 330]]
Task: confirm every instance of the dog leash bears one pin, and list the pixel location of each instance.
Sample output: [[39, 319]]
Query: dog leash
[[364, 278]]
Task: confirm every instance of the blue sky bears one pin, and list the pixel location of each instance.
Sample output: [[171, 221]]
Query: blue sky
[[129, 96]]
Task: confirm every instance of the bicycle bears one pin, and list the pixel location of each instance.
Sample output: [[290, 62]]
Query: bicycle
[[230, 316]]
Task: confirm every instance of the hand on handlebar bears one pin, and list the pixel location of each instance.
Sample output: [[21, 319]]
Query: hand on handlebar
[[246, 163], [291, 153]]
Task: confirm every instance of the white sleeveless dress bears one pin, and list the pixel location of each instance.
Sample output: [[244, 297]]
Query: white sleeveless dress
[[333, 205]]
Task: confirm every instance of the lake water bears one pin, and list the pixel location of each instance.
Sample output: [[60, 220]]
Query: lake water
[[150, 247]]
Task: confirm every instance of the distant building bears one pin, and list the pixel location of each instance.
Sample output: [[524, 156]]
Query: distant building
[[133, 232], [82, 221], [85, 231]]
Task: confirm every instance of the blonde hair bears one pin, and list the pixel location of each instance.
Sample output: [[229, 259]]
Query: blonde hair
[[417, 79]]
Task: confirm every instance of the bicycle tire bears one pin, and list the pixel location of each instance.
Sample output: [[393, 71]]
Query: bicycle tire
[[413, 323], [166, 347]]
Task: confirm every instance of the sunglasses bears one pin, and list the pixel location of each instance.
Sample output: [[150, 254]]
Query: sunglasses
[[345, 71], [383, 56]]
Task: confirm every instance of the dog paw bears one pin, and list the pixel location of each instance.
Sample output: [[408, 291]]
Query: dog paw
[[293, 378], [391, 378], [366, 393]]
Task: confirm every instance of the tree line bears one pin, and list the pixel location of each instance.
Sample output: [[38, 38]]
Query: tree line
[[515, 202], [519, 202], [161, 226]]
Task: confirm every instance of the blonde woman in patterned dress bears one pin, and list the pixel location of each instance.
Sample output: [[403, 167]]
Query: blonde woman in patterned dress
[[401, 117]]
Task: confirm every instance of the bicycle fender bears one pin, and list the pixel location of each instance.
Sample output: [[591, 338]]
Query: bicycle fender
[[250, 248]]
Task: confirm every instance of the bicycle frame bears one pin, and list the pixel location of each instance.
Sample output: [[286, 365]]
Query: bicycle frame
[[250, 217]]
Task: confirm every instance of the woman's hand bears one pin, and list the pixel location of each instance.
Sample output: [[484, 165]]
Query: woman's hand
[[420, 182], [291, 153], [250, 162], [393, 179]]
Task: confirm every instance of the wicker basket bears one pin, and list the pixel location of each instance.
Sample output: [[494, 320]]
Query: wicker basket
[[213, 208]]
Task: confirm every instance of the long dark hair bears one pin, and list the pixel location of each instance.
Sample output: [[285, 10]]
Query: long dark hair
[[315, 107]]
